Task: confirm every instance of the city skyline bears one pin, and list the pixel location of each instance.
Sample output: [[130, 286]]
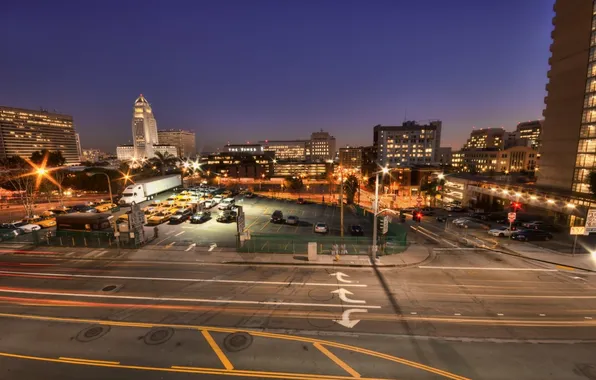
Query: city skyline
[[329, 82]]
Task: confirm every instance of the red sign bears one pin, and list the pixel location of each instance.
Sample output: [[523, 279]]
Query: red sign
[[418, 199], [511, 216]]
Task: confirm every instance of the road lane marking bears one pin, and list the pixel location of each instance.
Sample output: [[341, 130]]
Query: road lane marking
[[337, 360], [88, 360], [180, 233], [176, 299], [340, 277], [162, 240], [345, 318], [170, 244], [190, 247], [484, 268], [343, 293], [212, 246], [222, 357]]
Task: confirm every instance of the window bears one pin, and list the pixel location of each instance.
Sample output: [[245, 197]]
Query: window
[[587, 146]]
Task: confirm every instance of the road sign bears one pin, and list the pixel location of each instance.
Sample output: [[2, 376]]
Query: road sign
[[591, 221], [385, 224], [419, 199], [511, 216], [577, 231]]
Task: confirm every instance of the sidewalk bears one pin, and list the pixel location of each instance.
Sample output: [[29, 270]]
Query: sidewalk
[[529, 250], [413, 255]]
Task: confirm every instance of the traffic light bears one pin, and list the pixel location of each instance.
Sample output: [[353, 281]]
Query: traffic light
[[417, 217], [516, 206]]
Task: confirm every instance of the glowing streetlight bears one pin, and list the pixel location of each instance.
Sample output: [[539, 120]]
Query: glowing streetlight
[[41, 171], [441, 176], [195, 165]]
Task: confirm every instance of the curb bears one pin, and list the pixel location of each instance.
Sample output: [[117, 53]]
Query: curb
[[511, 253]]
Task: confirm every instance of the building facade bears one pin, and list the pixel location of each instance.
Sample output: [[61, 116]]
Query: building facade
[[312, 170], [514, 159], [568, 151], [94, 155], [24, 131], [254, 149], [409, 144], [125, 152], [129, 152], [320, 147], [286, 150], [184, 141], [350, 158], [486, 138], [237, 165], [444, 156], [144, 128], [526, 134]]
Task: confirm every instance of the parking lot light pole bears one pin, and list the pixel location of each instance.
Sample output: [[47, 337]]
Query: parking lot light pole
[[376, 211]]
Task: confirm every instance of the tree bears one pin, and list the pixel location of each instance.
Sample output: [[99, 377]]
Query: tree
[[432, 189], [163, 160], [294, 183], [14, 162], [52, 158], [592, 182], [21, 179], [350, 188]]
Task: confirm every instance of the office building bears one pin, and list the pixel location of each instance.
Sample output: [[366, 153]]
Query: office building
[[568, 151], [144, 128], [486, 138], [286, 150], [310, 170], [24, 131], [254, 149], [320, 147], [184, 141], [514, 159], [444, 156], [94, 155], [409, 144], [526, 134], [237, 165], [369, 161], [128, 152], [350, 158]]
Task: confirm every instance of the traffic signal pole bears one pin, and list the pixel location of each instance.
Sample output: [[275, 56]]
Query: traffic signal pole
[[375, 212]]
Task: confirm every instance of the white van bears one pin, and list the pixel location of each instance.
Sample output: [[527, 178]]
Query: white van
[[227, 204]]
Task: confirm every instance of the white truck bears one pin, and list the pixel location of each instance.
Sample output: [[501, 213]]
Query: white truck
[[148, 188]]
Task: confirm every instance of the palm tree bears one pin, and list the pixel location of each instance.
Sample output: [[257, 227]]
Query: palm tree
[[163, 161]]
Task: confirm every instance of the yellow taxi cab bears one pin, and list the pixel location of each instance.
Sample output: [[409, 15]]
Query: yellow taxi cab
[[159, 217], [43, 222], [104, 206], [227, 194], [56, 211], [153, 207]]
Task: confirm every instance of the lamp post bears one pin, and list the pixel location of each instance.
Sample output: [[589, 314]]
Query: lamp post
[[376, 211], [341, 202], [91, 174]]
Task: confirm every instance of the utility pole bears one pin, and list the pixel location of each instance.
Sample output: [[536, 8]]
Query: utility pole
[[375, 212], [341, 201]]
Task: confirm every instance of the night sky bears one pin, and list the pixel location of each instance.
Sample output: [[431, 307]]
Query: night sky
[[247, 70]]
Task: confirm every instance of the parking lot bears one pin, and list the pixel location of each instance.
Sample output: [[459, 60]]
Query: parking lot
[[212, 235]]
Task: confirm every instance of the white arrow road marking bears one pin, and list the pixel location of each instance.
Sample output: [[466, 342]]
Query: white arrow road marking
[[342, 296], [195, 300], [69, 275], [212, 247], [191, 247], [171, 244], [345, 318], [339, 276]]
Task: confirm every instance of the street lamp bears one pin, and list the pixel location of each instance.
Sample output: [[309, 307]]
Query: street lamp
[[42, 171], [91, 174], [385, 170]]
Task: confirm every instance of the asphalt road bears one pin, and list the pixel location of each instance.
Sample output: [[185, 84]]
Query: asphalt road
[[465, 314]]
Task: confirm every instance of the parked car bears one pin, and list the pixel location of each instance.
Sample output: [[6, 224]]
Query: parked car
[[277, 217], [441, 219], [292, 220], [427, 211], [200, 217], [43, 222], [356, 230], [16, 231], [473, 223], [105, 206], [209, 203], [528, 235], [226, 217], [180, 216], [501, 231], [300, 201], [321, 228], [159, 218], [56, 211], [459, 221], [249, 194], [23, 226], [454, 208], [83, 208], [540, 225], [408, 210], [478, 215]]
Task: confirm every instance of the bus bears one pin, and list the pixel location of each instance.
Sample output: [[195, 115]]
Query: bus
[[85, 222]]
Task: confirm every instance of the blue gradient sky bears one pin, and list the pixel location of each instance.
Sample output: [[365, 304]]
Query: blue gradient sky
[[249, 70]]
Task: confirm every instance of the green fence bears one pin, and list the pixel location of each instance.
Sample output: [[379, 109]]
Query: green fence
[[350, 245], [93, 239]]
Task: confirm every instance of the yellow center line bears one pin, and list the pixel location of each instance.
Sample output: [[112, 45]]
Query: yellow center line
[[89, 360], [337, 360], [265, 225], [222, 357], [285, 375]]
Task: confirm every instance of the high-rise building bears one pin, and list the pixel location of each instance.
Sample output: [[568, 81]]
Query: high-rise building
[[486, 138], [444, 155], [526, 134], [144, 128], [409, 144], [321, 147], [350, 158], [79, 149], [24, 131], [568, 151], [369, 161], [286, 150], [253, 149], [184, 141]]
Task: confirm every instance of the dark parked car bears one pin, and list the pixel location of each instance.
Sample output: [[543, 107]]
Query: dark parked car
[[427, 211], [356, 230], [277, 217], [478, 215], [441, 219], [540, 225], [293, 220], [249, 194], [301, 201], [82, 208], [200, 217], [180, 216], [528, 235], [227, 217]]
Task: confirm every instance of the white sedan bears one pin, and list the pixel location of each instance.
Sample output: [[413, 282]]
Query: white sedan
[[26, 227], [501, 232], [321, 228]]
